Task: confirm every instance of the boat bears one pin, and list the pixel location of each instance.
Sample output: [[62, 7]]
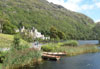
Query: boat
[[55, 53], [50, 57]]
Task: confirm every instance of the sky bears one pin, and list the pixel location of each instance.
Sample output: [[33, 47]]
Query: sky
[[90, 8]]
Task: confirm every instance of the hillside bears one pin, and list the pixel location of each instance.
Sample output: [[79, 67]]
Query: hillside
[[42, 15], [6, 41], [96, 29]]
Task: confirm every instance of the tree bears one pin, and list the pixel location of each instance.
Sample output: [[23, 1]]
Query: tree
[[8, 28], [16, 42], [56, 34], [61, 35], [53, 33]]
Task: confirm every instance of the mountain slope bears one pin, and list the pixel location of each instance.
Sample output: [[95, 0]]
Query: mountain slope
[[96, 30], [42, 15]]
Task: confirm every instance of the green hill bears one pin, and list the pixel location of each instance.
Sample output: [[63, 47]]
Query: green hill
[[6, 41], [42, 15], [96, 29]]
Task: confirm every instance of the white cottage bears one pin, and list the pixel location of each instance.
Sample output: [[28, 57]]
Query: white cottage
[[33, 32], [38, 34], [22, 29]]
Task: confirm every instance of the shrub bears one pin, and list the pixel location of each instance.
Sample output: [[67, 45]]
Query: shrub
[[47, 48], [16, 41], [50, 47], [2, 55], [71, 43]]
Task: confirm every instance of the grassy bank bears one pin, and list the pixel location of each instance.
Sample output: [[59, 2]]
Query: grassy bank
[[70, 50], [6, 41], [19, 54], [22, 58]]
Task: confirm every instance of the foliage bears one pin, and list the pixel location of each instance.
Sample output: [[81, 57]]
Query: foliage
[[61, 35], [43, 15], [56, 34], [7, 27], [96, 29], [20, 55], [70, 43], [49, 47], [19, 58], [6, 41], [53, 33], [2, 55], [16, 42]]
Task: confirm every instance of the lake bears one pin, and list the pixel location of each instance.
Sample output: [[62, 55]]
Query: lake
[[82, 42], [86, 61]]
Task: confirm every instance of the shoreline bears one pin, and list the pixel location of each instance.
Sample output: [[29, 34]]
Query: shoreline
[[72, 51]]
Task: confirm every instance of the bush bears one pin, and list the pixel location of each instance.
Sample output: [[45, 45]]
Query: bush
[[47, 48], [17, 43], [2, 55], [71, 43], [50, 47]]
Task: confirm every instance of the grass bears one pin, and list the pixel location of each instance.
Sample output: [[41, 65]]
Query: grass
[[19, 54], [6, 40], [70, 50], [22, 58]]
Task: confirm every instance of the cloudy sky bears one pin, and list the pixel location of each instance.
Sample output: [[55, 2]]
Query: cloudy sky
[[89, 7]]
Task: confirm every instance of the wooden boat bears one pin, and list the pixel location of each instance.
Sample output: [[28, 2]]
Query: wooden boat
[[55, 53], [50, 57]]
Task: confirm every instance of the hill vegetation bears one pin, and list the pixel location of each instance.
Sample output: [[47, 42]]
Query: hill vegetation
[[96, 29], [43, 15]]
